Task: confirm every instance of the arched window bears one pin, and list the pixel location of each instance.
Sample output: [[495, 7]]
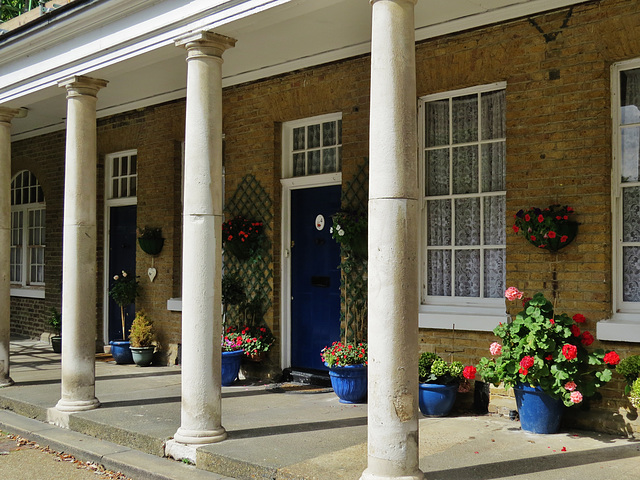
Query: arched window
[[27, 230]]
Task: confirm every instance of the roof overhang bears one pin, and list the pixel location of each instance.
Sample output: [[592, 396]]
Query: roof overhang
[[130, 43]]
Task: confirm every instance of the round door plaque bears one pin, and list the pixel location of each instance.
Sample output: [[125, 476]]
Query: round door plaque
[[320, 222]]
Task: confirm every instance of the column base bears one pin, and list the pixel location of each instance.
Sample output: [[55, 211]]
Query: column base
[[6, 382], [367, 475], [71, 406], [200, 437]]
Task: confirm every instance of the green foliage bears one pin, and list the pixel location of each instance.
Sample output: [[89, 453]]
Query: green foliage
[[432, 369], [350, 231], [232, 290], [629, 368], [12, 8], [55, 320], [150, 232], [340, 355], [634, 394], [542, 349], [142, 331], [124, 289]]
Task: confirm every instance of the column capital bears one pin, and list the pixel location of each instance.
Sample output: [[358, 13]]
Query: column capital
[[80, 85], [203, 43], [7, 114]]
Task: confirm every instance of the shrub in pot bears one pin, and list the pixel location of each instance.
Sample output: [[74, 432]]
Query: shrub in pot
[[55, 322], [141, 337]]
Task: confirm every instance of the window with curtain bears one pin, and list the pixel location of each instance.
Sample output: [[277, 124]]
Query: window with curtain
[[463, 234], [627, 201], [28, 219]]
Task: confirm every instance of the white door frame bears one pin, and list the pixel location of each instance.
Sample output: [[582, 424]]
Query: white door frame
[[289, 184], [108, 204]]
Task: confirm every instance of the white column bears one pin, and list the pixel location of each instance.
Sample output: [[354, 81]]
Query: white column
[[393, 246], [79, 232], [202, 241], [6, 114]]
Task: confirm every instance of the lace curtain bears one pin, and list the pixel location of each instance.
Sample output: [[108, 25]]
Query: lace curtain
[[463, 219]]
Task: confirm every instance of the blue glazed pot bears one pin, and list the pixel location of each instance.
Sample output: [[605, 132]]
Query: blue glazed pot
[[539, 413], [349, 383], [231, 366], [436, 400], [121, 352]]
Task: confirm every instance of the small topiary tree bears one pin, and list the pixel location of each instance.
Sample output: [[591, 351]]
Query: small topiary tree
[[142, 332]]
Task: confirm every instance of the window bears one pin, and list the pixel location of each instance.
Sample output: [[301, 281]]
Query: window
[[124, 174], [28, 220], [313, 146], [463, 234]]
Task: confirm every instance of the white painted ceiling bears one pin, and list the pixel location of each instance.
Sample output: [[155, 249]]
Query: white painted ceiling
[[279, 36]]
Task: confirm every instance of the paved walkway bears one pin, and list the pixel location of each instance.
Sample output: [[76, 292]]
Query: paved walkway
[[281, 433]]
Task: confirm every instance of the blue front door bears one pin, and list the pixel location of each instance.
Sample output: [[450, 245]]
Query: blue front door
[[315, 277], [122, 256]]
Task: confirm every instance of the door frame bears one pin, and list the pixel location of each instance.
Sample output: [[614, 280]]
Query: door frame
[[289, 184], [108, 204]]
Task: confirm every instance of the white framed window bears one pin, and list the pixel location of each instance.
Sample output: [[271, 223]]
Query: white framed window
[[312, 146], [123, 174], [28, 232], [463, 235], [625, 204]]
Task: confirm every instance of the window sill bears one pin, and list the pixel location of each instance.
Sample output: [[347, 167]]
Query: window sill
[[174, 304], [25, 292], [621, 328], [477, 318]]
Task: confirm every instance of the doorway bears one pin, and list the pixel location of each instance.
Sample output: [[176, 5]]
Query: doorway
[[122, 256], [315, 276]]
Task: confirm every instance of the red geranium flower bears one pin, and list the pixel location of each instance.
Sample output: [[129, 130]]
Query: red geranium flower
[[516, 229], [527, 217], [579, 318], [563, 238], [469, 372], [612, 358], [569, 351], [540, 218], [587, 339], [551, 234], [575, 330]]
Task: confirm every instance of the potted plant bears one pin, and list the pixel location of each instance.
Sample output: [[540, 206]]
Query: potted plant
[[55, 322], [232, 293], [629, 368], [543, 356], [150, 240], [141, 337], [124, 291], [256, 340], [350, 231], [551, 228], [439, 383], [347, 365], [242, 237], [232, 345]]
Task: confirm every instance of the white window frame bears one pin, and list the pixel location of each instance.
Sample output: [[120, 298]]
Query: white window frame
[[463, 313], [287, 142], [624, 324], [26, 287]]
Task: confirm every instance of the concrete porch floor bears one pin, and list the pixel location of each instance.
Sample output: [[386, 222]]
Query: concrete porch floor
[[281, 434]]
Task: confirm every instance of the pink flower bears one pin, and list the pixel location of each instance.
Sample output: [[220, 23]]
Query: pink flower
[[570, 351], [469, 372], [495, 348], [512, 293], [578, 318], [571, 386], [576, 397]]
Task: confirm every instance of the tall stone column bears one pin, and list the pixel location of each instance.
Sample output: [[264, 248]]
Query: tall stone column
[[202, 241], [79, 276], [6, 114], [393, 246]]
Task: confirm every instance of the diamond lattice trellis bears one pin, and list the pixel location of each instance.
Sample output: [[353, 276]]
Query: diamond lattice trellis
[[252, 201], [353, 316]]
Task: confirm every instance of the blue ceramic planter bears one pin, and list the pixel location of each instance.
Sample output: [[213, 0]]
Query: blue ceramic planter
[[436, 400], [539, 413], [231, 366], [349, 383], [121, 352]]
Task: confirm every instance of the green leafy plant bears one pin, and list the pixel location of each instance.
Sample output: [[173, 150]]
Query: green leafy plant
[[634, 393], [142, 332], [350, 231], [232, 341], [433, 369], [55, 320], [339, 355], [540, 348], [629, 368], [255, 339], [124, 290], [550, 228]]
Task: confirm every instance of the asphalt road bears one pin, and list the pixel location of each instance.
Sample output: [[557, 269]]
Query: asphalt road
[[24, 460]]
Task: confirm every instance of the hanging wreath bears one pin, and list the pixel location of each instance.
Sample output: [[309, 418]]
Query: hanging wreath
[[551, 228]]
